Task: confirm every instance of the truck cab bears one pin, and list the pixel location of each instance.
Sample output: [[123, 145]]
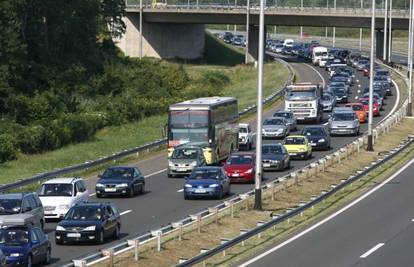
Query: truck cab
[[304, 100]]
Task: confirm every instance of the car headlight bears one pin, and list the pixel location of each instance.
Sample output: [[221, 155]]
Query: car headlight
[[213, 185], [90, 228], [64, 207], [100, 185], [193, 164], [60, 228], [16, 254], [122, 185], [280, 130], [301, 149], [170, 164], [249, 170], [321, 140], [188, 185]]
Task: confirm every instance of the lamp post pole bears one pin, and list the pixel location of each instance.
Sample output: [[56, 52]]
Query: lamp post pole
[[301, 27], [370, 146], [360, 30], [140, 29], [334, 29], [384, 52], [410, 60], [390, 35], [246, 59], [258, 177]]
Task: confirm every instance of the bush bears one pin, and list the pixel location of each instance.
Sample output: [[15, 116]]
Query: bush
[[8, 149]]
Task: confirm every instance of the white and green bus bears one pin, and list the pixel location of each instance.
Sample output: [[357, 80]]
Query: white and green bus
[[211, 122]]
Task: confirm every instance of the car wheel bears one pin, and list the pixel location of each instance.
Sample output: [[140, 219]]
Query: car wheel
[[131, 192], [170, 176], [220, 196], [101, 237], [58, 242], [98, 195], [47, 257], [310, 155], [29, 261], [117, 232], [250, 146], [186, 197], [288, 166], [142, 189]]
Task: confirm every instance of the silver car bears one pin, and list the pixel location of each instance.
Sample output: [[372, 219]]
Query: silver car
[[275, 127], [328, 101], [289, 116], [184, 159], [343, 121]]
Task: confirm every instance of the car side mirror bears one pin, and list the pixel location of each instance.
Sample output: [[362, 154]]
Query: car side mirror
[[27, 209], [78, 193], [35, 242], [99, 175]]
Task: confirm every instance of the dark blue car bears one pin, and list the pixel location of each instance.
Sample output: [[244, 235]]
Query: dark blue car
[[207, 182], [318, 137], [24, 245]]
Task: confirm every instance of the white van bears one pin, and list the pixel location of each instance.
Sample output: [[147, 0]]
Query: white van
[[288, 43], [320, 56]]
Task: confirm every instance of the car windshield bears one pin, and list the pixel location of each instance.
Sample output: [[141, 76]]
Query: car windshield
[[240, 159], [313, 131], [242, 130], [326, 97], [272, 150], [286, 115], [356, 107], [84, 213], [339, 91], [14, 236], [380, 78], [273, 121], [9, 206], [205, 174], [185, 153], [337, 84], [56, 190], [294, 141], [382, 73], [343, 117], [118, 173]]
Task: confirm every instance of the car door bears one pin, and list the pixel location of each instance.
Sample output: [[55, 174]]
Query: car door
[[81, 194], [111, 219], [138, 179], [43, 244], [36, 247], [225, 181], [85, 192]]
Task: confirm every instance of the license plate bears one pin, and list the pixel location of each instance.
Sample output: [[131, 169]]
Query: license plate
[[48, 212], [293, 154], [181, 169], [313, 144], [235, 174], [266, 165], [110, 189], [200, 191], [74, 235]]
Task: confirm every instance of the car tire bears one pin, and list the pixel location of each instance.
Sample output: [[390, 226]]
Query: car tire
[[220, 196], [170, 176], [47, 257], [142, 189], [288, 166], [131, 192], [29, 261], [250, 146], [101, 237], [117, 232], [186, 197], [98, 195]]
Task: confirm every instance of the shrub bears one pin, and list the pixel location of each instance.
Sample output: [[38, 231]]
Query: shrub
[[8, 149]]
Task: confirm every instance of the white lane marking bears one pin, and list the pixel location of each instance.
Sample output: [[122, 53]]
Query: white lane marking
[[91, 195], [155, 173], [372, 250], [181, 190], [356, 97], [125, 212], [397, 89], [359, 85], [320, 75], [313, 227], [357, 81], [412, 220], [359, 91]]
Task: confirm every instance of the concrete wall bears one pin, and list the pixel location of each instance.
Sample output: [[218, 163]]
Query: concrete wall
[[162, 40], [253, 52]]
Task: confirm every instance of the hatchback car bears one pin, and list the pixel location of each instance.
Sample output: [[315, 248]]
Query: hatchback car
[[207, 182], [358, 108], [290, 118], [328, 101], [24, 245], [343, 122], [375, 106], [240, 167], [275, 157], [119, 180], [298, 147], [340, 95], [60, 194], [275, 127], [184, 159], [22, 203], [89, 222], [318, 137]]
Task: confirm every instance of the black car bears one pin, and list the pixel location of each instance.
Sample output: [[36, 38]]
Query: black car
[[89, 222], [228, 37], [318, 137], [275, 157], [120, 180], [340, 94]]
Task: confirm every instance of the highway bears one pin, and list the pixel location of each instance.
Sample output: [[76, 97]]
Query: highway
[[376, 229], [163, 202]]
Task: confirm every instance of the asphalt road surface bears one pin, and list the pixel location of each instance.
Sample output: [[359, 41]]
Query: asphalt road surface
[[163, 201]]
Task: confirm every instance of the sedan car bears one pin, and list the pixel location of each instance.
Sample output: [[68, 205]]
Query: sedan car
[[24, 245], [376, 98], [207, 182], [275, 127], [89, 222], [184, 159], [343, 122], [358, 108], [119, 180], [290, 118], [375, 106], [318, 137], [298, 147], [340, 95], [328, 102], [240, 167], [275, 157]]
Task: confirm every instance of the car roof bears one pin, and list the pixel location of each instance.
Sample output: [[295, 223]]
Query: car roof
[[243, 153], [93, 204], [243, 124], [208, 168], [343, 110], [314, 126], [283, 111], [62, 180], [12, 195], [296, 136], [353, 104], [121, 167], [277, 144]]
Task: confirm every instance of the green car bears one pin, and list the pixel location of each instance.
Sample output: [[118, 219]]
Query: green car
[[184, 159]]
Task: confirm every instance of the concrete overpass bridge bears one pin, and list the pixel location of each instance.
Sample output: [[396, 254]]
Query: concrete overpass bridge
[[177, 31]]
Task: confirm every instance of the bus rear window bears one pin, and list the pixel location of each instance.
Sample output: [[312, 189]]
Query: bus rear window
[[188, 118]]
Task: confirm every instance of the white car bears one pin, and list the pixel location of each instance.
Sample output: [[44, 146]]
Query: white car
[[245, 136], [60, 194]]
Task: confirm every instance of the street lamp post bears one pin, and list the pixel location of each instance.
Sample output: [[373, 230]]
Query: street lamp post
[[384, 52], [390, 35], [140, 29], [360, 30], [258, 177], [370, 146], [334, 29], [410, 59], [301, 27], [246, 60]]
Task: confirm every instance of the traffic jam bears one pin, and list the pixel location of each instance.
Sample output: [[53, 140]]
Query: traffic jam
[[208, 147]]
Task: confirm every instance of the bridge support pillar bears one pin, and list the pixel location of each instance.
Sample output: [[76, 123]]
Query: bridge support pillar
[[253, 51], [162, 40], [381, 42]]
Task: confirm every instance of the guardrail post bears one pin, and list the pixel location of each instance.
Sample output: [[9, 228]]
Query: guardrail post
[[222, 242], [215, 212], [199, 223], [204, 250], [245, 198], [260, 223], [135, 243], [182, 260], [79, 263], [243, 231], [110, 254], [158, 234]]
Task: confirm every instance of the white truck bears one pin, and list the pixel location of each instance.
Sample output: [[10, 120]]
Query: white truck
[[320, 56], [245, 136], [288, 43], [304, 100]]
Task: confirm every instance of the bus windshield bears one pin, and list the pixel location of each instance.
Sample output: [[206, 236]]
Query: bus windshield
[[188, 118], [190, 135]]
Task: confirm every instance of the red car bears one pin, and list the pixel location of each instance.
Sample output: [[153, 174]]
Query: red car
[[375, 106], [240, 167], [366, 71]]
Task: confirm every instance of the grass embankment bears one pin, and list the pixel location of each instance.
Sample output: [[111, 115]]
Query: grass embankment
[[284, 198], [112, 139]]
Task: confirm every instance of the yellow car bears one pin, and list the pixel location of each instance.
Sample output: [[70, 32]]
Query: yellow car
[[298, 146]]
